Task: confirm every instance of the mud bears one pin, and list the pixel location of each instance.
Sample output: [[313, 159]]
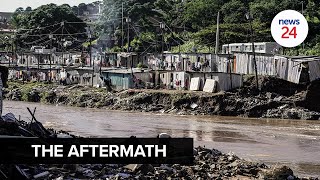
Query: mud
[[208, 163], [275, 99]]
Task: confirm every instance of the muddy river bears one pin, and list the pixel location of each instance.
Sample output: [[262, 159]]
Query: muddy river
[[283, 142]]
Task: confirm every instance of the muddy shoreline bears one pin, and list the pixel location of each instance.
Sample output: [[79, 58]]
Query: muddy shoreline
[[275, 99], [208, 163]]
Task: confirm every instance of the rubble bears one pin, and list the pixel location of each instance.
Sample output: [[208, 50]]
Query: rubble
[[276, 99], [208, 163]]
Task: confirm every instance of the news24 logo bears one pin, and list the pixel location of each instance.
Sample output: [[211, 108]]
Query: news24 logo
[[289, 28]]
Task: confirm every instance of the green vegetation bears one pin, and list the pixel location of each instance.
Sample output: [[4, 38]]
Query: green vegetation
[[140, 65], [192, 23], [35, 26], [5, 42]]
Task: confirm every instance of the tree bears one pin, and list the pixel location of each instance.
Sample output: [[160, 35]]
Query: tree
[[66, 6], [145, 16], [75, 10], [200, 13], [18, 17], [195, 21], [170, 11], [82, 7], [233, 12], [110, 22], [28, 9], [34, 27]]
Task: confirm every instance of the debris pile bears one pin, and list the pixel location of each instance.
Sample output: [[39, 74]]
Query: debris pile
[[208, 163], [10, 126], [276, 99]]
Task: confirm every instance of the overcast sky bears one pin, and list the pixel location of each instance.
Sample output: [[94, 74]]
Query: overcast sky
[[12, 5]]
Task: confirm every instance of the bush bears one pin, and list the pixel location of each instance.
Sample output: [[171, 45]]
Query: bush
[[140, 65]]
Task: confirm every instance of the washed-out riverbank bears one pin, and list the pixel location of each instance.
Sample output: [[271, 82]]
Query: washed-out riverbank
[[292, 143], [276, 99]]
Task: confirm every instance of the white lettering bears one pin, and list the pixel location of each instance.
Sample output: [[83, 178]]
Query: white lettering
[[36, 152], [149, 147], [83, 148], [73, 151], [114, 149], [44, 151], [103, 150], [58, 151], [139, 151], [163, 151], [126, 152], [93, 148]]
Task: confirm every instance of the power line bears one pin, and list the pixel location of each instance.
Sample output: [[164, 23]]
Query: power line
[[68, 22], [41, 39], [40, 27], [139, 34], [54, 34], [170, 30], [147, 49], [70, 35]]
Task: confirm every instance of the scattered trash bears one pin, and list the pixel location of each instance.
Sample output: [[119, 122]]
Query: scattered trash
[[62, 135], [41, 175], [208, 163], [193, 106], [9, 118], [131, 167], [278, 98], [123, 175], [18, 173], [163, 135]]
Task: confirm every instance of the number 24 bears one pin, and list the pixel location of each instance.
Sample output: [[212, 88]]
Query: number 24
[[293, 32]]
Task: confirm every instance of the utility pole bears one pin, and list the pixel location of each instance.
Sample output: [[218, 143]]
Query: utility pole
[[62, 47], [90, 49], [27, 64], [230, 65], [16, 49], [302, 14], [50, 37], [248, 16], [217, 35], [12, 49], [104, 58], [122, 31], [128, 20], [162, 27], [182, 62], [38, 76]]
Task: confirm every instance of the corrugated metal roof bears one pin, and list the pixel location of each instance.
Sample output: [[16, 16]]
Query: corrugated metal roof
[[91, 68], [126, 71], [301, 58], [124, 54]]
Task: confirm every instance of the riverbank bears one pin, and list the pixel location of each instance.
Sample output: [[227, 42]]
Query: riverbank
[[276, 99], [208, 163]]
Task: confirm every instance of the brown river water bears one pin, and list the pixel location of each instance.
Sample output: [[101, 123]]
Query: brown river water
[[272, 141]]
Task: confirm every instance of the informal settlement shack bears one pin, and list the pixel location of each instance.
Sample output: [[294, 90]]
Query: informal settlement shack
[[181, 71]]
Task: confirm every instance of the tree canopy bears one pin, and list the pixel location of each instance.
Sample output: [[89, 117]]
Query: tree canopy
[[195, 21], [189, 23], [35, 26]]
